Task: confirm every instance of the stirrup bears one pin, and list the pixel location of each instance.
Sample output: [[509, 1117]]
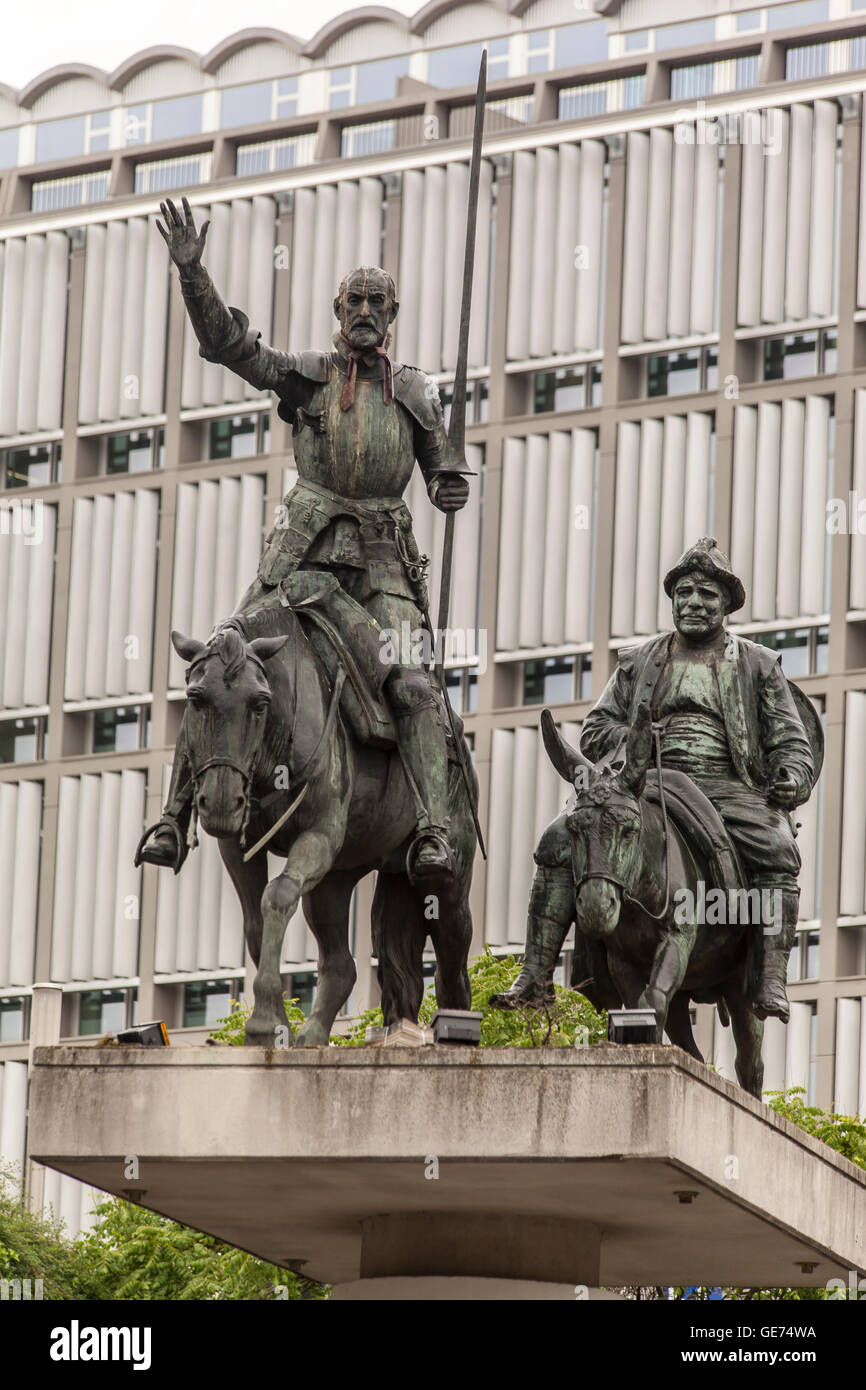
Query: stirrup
[[180, 840], [438, 834]]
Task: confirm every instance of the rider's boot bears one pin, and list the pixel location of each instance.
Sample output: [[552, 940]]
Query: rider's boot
[[551, 910], [771, 1000], [425, 757], [166, 843]]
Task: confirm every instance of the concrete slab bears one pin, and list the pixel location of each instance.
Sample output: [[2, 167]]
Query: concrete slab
[[557, 1165]]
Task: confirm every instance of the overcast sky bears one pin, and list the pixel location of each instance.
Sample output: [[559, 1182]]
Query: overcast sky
[[39, 34]]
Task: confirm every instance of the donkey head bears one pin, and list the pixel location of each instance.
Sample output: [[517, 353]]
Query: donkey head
[[604, 821], [228, 699]]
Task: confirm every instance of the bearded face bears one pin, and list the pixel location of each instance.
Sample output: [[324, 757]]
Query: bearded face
[[366, 306]]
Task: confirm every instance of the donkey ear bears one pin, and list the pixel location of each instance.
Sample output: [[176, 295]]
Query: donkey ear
[[264, 647], [638, 750], [186, 647], [565, 759]]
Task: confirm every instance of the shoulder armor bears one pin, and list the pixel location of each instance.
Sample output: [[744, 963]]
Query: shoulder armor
[[315, 366], [419, 394]]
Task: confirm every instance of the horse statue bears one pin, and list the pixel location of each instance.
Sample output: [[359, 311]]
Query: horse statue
[[274, 765], [630, 868]]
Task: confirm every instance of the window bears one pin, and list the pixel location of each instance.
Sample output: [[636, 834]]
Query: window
[[8, 148], [556, 680], [803, 12], [103, 1010], [239, 436], [12, 1019], [748, 22], [303, 988], [37, 465], [804, 650], [265, 157], [458, 67], [462, 687], [163, 120], [378, 81], [206, 1001], [797, 355], [807, 60], [580, 43], [160, 175], [694, 80], [371, 138], [60, 139], [567, 388], [123, 729], [681, 373], [22, 740], [477, 403], [47, 195], [246, 105], [540, 52], [340, 88], [134, 453], [803, 960], [637, 41], [286, 101], [747, 70], [595, 98], [681, 35]]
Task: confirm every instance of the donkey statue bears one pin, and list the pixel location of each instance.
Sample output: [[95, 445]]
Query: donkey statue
[[274, 766]]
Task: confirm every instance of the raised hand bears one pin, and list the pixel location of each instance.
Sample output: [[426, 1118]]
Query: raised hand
[[184, 243]]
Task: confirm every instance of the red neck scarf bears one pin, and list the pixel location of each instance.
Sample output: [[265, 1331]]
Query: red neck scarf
[[369, 357]]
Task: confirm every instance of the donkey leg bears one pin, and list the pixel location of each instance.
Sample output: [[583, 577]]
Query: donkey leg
[[748, 1037], [249, 881], [679, 1025], [400, 929], [667, 974], [309, 859], [327, 911]]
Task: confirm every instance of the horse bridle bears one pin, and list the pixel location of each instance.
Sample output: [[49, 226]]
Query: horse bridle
[[624, 887]]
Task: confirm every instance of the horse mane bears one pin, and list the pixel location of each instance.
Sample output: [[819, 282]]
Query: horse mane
[[229, 643]]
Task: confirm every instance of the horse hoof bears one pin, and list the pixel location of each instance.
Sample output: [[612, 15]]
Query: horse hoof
[[266, 1034], [312, 1035]]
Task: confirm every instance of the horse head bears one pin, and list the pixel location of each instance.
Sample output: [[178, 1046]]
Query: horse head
[[604, 821], [228, 700]]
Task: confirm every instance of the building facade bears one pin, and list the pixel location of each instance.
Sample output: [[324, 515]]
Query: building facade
[[668, 340]]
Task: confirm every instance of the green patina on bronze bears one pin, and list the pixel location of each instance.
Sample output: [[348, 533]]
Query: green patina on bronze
[[740, 747], [264, 695]]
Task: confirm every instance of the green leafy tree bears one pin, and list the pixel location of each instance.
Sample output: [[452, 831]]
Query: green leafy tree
[[35, 1247]]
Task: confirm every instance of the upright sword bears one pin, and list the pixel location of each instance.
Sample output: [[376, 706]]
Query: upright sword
[[457, 425]]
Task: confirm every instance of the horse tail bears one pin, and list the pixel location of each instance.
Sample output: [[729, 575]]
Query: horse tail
[[398, 941]]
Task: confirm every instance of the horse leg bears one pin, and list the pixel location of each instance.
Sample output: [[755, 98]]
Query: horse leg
[[451, 935], [400, 931], [748, 1037], [327, 911], [249, 881], [679, 1026], [309, 859]]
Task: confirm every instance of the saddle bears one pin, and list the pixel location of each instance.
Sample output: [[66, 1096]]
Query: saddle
[[343, 635], [699, 822]]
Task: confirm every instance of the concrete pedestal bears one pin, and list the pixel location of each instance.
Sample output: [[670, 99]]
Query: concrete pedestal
[[596, 1167]]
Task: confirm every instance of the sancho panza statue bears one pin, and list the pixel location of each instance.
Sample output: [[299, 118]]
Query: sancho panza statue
[[723, 713], [359, 424]]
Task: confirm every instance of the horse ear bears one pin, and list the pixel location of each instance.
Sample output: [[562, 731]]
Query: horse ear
[[264, 647], [565, 759], [638, 750], [186, 647]]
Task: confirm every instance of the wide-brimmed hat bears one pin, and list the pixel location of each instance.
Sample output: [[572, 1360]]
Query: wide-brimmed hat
[[706, 557]]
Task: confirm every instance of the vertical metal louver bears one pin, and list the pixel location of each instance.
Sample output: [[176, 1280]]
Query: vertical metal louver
[[26, 596], [112, 588], [217, 545], [545, 548], [555, 261], [779, 507], [336, 228], [240, 257], [33, 280], [20, 829], [125, 320], [670, 241], [433, 216], [662, 505], [97, 891]]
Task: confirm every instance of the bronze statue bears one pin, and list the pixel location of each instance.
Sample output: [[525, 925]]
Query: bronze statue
[[639, 853], [324, 702]]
